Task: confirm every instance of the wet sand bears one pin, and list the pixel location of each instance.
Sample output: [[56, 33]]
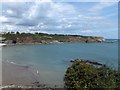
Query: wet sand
[[18, 75]]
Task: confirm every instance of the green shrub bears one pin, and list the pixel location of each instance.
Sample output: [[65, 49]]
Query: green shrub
[[82, 74]]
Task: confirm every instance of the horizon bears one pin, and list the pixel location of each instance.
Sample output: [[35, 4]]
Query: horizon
[[73, 18]]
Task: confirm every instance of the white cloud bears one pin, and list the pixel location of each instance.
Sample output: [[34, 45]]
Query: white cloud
[[9, 11], [88, 31], [7, 27], [3, 19], [69, 25]]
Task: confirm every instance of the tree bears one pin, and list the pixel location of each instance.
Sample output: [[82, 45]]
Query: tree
[[36, 33], [17, 33], [8, 32]]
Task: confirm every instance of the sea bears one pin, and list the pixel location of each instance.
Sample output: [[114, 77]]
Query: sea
[[52, 60]]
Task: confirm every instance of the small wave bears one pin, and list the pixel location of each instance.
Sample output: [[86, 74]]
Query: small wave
[[13, 63]]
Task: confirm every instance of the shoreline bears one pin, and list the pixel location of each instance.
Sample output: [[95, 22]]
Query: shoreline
[[110, 42], [36, 43], [5, 44], [22, 76]]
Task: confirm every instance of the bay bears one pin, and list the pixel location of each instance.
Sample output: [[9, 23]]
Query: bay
[[52, 60]]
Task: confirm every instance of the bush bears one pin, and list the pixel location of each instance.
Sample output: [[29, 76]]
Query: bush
[[82, 74]]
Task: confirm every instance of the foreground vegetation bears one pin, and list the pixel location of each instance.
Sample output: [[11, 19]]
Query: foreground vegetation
[[86, 74]]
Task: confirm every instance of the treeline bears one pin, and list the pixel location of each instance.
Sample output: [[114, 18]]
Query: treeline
[[14, 35]]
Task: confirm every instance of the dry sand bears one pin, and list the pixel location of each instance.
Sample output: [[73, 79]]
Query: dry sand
[[17, 75]]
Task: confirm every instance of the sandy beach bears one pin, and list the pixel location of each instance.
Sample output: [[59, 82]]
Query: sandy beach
[[18, 75]]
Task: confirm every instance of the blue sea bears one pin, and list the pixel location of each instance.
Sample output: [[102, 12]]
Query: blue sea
[[52, 60]]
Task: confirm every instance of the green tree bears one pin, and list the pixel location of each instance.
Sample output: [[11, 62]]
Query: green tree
[[17, 33]]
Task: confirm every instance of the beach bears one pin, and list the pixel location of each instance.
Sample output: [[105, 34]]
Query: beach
[[22, 77], [13, 74]]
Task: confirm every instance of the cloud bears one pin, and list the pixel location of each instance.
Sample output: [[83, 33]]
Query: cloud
[[7, 27], [3, 19], [54, 17]]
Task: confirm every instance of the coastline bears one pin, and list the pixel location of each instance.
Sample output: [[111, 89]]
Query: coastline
[[12, 44], [43, 38], [16, 74], [54, 43]]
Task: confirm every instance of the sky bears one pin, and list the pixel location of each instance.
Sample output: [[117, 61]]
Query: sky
[[76, 18]]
